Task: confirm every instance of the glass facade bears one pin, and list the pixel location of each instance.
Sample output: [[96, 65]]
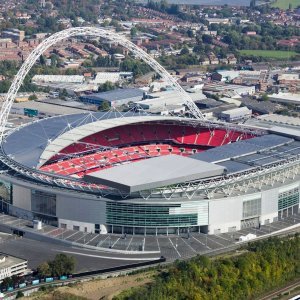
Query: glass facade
[[251, 208], [43, 203], [288, 199], [143, 215]]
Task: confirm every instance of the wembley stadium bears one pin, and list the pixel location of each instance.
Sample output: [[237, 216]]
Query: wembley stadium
[[139, 174]]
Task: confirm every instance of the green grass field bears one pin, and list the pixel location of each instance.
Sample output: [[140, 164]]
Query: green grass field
[[284, 4], [276, 54]]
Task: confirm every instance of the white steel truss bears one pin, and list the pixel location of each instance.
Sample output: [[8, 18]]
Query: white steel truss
[[226, 186], [89, 31], [223, 186]]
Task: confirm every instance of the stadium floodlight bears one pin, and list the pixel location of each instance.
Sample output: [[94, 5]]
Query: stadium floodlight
[[89, 31]]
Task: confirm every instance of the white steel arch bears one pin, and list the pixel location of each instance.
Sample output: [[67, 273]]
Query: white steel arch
[[88, 31]]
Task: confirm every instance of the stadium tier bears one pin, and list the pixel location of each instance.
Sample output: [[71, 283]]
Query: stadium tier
[[148, 174]]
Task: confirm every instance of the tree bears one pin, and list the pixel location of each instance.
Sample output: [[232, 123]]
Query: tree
[[54, 60], [44, 269], [184, 51], [190, 33], [198, 48], [32, 97], [42, 60], [104, 106], [265, 265], [264, 97], [6, 282], [63, 94], [207, 39], [62, 265], [133, 31], [107, 86], [19, 294]]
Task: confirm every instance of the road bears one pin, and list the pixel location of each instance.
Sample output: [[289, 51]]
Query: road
[[37, 252], [276, 292]]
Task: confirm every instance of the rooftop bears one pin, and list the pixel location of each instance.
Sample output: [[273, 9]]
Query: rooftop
[[10, 261], [242, 148], [155, 172], [118, 94]]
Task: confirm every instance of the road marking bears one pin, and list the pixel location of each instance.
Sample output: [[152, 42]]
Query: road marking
[[174, 247], [198, 241], [188, 245], [82, 237], [101, 242], [115, 242], [70, 235], [107, 257], [218, 243], [221, 237], [201, 243], [158, 244], [49, 232], [92, 239], [143, 247], [129, 244]]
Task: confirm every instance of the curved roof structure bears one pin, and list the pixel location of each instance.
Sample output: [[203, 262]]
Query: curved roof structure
[[90, 151], [40, 134], [47, 137], [77, 133]]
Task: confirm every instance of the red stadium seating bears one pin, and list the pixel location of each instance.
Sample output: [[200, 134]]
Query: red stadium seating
[[135, 142]]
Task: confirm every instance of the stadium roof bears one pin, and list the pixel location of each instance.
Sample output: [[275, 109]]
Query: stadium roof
[[262, 158], [154, 172], [80, 132], [27, 151], [242, 148], [46, 137]]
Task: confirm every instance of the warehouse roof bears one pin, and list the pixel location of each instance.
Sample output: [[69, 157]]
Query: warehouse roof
[[117, 95], [237, 111], [155, 172]]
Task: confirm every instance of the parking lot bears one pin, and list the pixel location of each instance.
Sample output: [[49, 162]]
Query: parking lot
[[171, 246]]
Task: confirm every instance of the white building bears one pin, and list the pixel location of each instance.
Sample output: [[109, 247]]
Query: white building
[[58, 78], [114, 77], [10, 265], [236, 114], [287, 98]]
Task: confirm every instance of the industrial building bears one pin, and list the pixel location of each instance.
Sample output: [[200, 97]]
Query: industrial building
[[229, 90], [114, 77], [285, 98], [116, 97], [236, 114]]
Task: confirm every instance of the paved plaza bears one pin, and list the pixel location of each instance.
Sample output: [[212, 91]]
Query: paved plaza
[[138, 246]]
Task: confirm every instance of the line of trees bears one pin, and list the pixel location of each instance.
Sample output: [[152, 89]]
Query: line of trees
[[263, 266], [61, 265]]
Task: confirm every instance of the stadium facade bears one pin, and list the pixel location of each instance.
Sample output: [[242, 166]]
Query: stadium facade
[[148, 174]]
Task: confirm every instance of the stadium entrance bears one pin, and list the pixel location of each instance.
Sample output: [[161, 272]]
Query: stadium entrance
[[252, 222]]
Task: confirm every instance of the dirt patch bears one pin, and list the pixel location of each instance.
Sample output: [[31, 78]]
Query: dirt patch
[[104, 289]]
